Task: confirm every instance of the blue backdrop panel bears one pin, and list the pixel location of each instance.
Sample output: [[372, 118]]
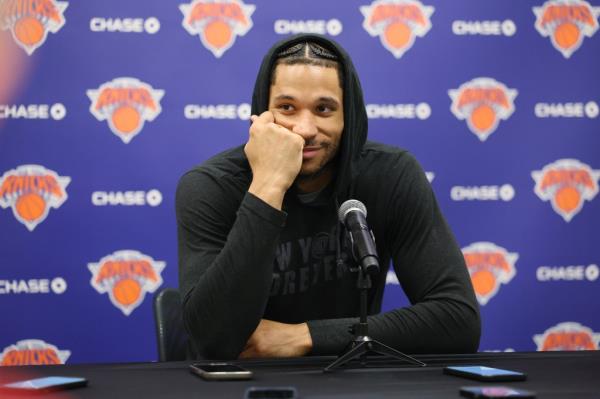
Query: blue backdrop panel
[[498, 100]]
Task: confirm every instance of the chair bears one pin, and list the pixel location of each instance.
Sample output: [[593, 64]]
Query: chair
[[171, 336]]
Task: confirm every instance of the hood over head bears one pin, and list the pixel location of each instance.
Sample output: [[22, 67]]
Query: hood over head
[[355, 116]]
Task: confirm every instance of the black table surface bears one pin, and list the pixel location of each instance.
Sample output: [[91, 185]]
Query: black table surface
[[550, 374]]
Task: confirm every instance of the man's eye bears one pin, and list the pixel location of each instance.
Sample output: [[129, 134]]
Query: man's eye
[[324, 108], [286, 107]]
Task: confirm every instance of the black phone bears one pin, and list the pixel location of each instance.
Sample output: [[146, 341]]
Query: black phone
[[220, 371], [44, 384], [495, 392], [484, 373], [271, 393]]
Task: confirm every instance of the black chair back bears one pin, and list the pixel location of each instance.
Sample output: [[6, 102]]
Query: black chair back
[[171, 336]]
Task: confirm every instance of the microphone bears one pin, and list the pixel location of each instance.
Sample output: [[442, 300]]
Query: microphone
[[353, 214]]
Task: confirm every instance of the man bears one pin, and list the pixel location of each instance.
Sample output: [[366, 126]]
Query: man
[[264, 268]]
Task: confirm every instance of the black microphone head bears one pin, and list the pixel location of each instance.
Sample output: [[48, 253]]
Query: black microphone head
[[351, 205]]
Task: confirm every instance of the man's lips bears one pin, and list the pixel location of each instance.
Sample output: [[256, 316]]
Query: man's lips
[[310, 152]]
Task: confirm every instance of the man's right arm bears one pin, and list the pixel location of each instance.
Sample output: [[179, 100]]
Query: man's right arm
[[227, 248], [226, 254]]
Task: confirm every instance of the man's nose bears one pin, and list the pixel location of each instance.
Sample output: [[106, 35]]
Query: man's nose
[[305, 126]]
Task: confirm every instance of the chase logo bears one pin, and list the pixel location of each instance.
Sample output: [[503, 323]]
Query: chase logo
[[331, 27], [566, 22], [217, 22], [482, 102], [566, 183], [31, 190], [57, 286], [484, 28], [125, 25], [567, 110], [126, 276], [568, 273], [127, 198], [33, 352], [31, 20], [567, 336], [505, 192], [397, 23], [126, 103], [420, 111], [55, 111], [217, 111], [489, 266]]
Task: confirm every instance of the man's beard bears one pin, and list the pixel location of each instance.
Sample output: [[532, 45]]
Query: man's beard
[[328, 164]]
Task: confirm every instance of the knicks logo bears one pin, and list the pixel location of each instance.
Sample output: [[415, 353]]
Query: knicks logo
[[483, 102], [31, 20], [31, 190], [566, 183], [489, 266], [126, 276], [568, 336], [33, 352], [397, 23], [126, 103], [566, 22], [217, 22]]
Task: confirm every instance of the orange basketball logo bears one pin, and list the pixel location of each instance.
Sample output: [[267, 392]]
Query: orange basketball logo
[[489, 266], [31, 20], [33, 352], [31, 190], [126, 276], [126, 103], [482, 102], [567, 336], [217, 22], [566, 23], [397, 23], [566, 183]]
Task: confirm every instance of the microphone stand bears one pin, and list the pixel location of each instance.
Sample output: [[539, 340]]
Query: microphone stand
[[362, 344]]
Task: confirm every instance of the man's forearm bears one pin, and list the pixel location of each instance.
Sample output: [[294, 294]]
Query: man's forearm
[[229, 297]]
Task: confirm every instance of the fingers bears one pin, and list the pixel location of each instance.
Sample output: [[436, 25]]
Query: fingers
[[265, 117], [266, 120], [259, 122], [245, 354]]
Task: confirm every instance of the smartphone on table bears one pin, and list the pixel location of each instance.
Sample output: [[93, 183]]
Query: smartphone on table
[[491, 392], [484, 373], [271, 393], [220, 371], [43, 384]]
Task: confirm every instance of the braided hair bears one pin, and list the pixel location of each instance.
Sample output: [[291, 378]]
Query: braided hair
[[308, 53]]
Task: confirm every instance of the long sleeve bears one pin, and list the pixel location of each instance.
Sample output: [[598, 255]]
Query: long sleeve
[[226, 252], [444, 314]]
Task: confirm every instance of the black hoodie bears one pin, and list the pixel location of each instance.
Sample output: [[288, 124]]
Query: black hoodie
[[241, 260]]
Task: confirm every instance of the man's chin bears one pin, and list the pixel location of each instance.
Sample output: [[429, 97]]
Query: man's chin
[[311, 173]]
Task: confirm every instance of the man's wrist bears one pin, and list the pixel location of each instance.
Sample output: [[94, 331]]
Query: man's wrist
[[304, 338], [270, 193]]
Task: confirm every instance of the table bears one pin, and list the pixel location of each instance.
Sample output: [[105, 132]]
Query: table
[[562, 375]]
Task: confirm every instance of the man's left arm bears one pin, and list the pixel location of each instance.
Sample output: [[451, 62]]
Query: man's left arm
[[444, 315]]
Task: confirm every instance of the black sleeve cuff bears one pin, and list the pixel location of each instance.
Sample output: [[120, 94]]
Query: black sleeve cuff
[[263, 210]]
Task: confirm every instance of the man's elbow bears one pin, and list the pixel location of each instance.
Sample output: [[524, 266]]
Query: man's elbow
[[211, 341], [469, 335]]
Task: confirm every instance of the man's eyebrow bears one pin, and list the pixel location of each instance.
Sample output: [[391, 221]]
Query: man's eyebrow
[[284, 97], [329, 100], [324, 99]]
